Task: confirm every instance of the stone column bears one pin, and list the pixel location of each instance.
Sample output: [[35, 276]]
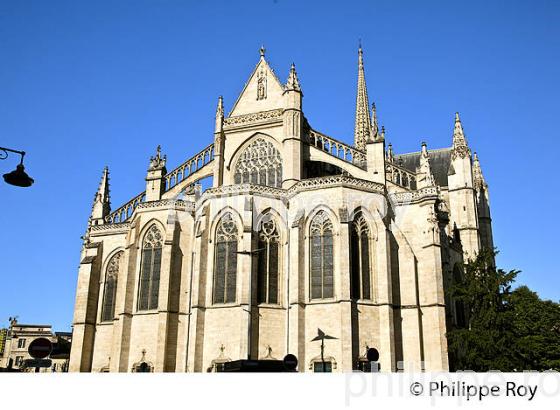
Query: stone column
[[85, 311], [385, 301]]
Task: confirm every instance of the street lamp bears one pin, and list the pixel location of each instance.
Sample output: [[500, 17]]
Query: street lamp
[[322, 336], [17, 177]]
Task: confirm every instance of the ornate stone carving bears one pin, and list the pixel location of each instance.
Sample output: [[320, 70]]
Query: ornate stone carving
[[153, 238], [405, 198], [261, 84], [157, 162], [227, 229], [259, 163], [321, 224], [254, 117]]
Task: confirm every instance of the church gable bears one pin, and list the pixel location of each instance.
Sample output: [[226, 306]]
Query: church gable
[[263, 91]]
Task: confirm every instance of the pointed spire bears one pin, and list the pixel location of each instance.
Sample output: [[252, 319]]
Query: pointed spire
[[219, 114], [293, 81], [460, 146], [479, 181], [101, 201], [374, 126], [362, 128], [425, 176]]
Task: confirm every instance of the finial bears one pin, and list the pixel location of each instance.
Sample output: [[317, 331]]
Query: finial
[[293, 82], [157, 162], [262, 51], [360, 55], [475, 157], [424, 149], [374, 121], [390, 155], [460, 146]]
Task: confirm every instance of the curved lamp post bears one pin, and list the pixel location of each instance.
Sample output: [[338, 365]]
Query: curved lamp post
[[17, 177]]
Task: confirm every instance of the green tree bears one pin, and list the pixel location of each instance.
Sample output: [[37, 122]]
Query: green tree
[[537, 330], [505, 330], [485, 342]]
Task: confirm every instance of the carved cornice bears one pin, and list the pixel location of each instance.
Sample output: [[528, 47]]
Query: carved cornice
[[337, 181], [301, 186], [168, 203], [406, 198], [111, 228], [263, 116], [242, 189]]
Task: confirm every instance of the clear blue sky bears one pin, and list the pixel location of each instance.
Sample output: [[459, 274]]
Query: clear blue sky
[[89, 84]]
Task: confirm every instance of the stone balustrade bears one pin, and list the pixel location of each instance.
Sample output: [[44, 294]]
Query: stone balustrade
[[400, 176], [337, 149]]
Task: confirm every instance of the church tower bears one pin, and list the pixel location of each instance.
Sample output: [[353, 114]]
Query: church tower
[[462, 199]]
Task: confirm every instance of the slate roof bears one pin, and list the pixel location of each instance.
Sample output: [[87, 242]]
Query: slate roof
[[440, 160]]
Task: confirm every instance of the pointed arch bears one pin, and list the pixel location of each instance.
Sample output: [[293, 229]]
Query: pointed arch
[[370, 219], [225, 264], [360, 258], [110, 286], [321, 260], [268, 258], [259, 163], [150, 268], [216, 218]]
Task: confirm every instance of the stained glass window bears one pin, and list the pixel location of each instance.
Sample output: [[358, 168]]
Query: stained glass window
[[110, 289], [360, 259], [267, 266], [225, 268], [321, 257], [259, 163], [150, 269]]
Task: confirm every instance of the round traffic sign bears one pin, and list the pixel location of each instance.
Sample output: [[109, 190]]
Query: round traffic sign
[[372, 354], [290, 362], [40, 348]]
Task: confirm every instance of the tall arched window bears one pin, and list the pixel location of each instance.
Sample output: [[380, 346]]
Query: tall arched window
[[360, 260], [110, 289], [321, 257], [267, 266], [225, 267], [150, 268], [259, 163]]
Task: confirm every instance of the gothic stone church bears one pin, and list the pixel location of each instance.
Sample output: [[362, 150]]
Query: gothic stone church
[[296, 232]]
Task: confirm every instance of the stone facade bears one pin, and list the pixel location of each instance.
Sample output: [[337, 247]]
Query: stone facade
[[299, 233]]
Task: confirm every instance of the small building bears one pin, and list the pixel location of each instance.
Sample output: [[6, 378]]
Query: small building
[[15, 343]]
